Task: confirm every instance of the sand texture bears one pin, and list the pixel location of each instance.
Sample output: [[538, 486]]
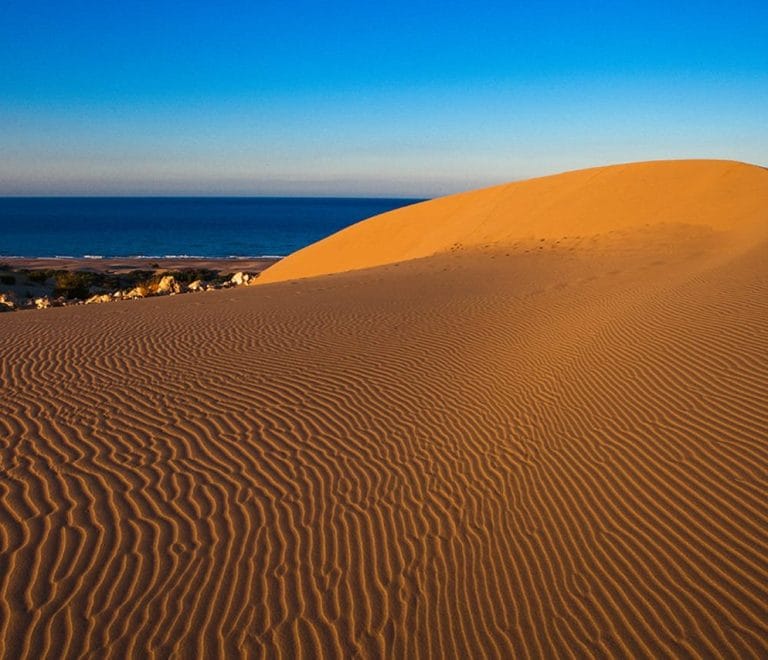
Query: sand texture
[[549, 444]]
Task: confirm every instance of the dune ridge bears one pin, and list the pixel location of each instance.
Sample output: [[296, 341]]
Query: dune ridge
[[547, 448], [713, 193]]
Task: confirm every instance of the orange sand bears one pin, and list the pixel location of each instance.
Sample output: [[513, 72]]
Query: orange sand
[[540, 448], [715, 194]]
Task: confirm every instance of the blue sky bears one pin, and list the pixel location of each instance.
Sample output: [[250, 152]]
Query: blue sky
[[357, 98]]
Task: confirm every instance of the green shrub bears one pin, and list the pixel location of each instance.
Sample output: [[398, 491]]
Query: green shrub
[[73, 284], [191, 274], [40, 276], [7, 279], [134, 278]]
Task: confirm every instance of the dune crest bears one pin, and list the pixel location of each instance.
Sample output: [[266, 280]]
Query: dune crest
[[719, 194]]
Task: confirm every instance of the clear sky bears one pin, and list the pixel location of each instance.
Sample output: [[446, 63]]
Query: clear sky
[[406, 97]]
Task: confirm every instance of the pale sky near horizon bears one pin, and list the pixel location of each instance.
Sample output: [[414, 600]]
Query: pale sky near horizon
[[349, 98]]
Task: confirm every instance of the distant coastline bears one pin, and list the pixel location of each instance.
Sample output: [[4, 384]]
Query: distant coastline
[[87, 258], [126, 264], [98, 228], [60, 281]]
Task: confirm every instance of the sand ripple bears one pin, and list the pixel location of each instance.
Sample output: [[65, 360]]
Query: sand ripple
[[552, 450]]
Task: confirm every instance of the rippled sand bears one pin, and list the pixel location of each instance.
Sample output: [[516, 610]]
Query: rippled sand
[[546, 445]]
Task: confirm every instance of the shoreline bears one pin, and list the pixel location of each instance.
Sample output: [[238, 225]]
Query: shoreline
[[39, 283], [224, 265]]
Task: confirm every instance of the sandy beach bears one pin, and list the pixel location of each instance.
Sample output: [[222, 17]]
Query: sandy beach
[[126, 264], [523, 422]]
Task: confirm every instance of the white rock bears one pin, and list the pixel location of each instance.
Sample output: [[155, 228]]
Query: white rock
[[137, 292], [240, 278], [7, 302], [197, 285], [168, 284], [103, 298], [42, 303]]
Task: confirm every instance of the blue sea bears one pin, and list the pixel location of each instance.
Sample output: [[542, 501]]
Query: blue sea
[[211, 227]]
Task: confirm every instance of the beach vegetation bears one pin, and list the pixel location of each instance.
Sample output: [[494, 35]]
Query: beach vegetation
[[188, 275], [73, 284], [39, 276]]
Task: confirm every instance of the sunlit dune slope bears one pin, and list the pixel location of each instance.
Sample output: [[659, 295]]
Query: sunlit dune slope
[[714, 193], [555, 446]]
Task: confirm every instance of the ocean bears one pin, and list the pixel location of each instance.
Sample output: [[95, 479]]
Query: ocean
[[208, 227]]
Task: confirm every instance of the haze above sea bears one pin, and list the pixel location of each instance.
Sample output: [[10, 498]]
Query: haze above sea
[[210, 227]]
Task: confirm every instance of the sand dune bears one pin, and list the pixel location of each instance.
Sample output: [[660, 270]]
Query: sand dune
[[520, 448], [716, 194]]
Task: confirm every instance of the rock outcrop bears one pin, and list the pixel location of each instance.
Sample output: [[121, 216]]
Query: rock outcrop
[[7, 302], [239, 278], [167, 285], [99, 298], [140, 291]]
